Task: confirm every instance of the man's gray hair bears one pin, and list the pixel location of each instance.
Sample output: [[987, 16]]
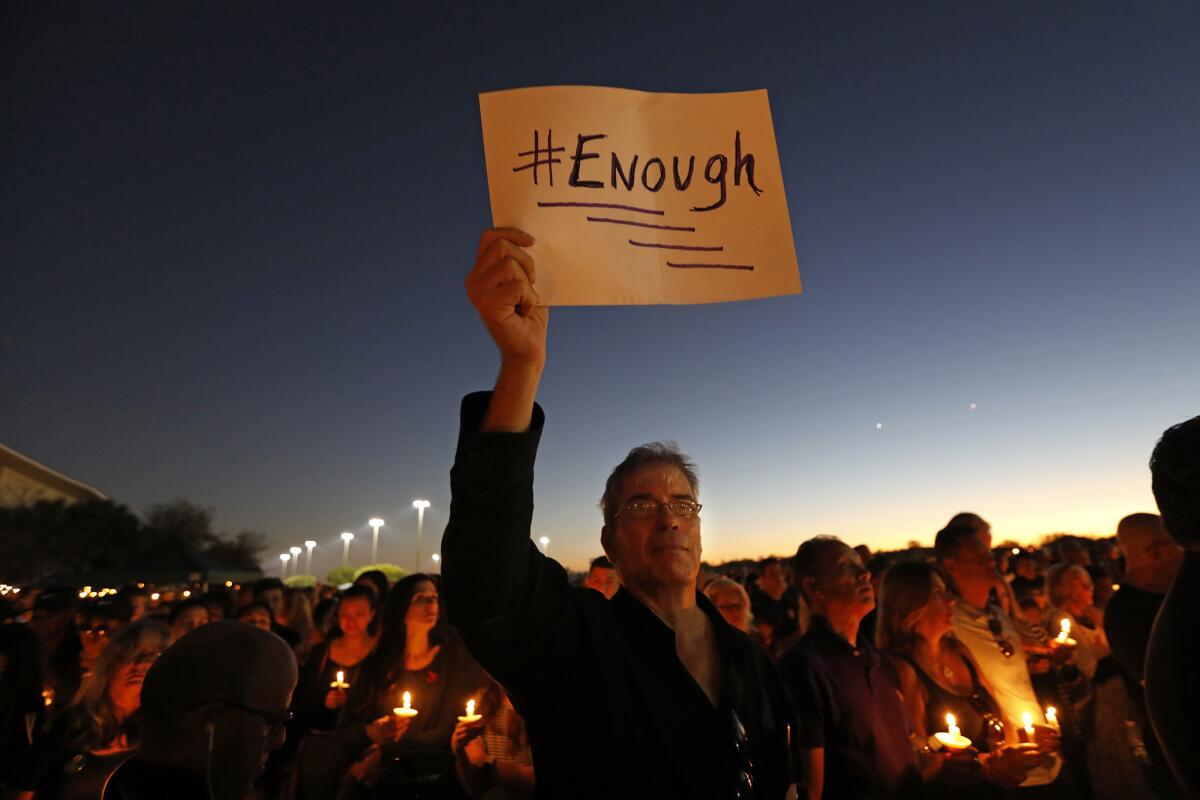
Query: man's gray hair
[[647, 455]]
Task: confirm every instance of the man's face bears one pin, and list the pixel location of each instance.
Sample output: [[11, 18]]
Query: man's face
[[659, 549], [244, 739], [49, 625], [843, 585], [772, 580], [973, 566], [603, 580], [273, 599]]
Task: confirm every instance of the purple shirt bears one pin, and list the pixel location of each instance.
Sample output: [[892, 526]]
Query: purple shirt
[[849, 703]]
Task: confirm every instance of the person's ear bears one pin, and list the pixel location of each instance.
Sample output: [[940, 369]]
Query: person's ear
[[606, 543], [809, 591]]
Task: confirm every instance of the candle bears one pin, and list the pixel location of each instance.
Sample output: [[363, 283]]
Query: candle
[[340, 683], [1052, 716], [1027, 722], [1064, 633], [471, 715], [951, 738], [407, 710]]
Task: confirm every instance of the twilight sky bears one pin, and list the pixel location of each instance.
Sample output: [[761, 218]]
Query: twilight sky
[[233, 238]]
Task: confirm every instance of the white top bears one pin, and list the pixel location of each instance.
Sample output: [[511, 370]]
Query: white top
[[1008, 676]]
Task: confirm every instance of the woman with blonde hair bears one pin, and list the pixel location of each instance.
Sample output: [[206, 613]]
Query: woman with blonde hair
[[101, 728], [937, 678], [733, 603]]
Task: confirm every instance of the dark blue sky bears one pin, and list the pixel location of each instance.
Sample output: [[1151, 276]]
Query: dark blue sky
[[233, 238]]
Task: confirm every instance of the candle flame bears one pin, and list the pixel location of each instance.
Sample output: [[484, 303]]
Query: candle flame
[[470, 708], [951, 725], [1027, 720], [341, 676], [407, 700], [1065, 626], [1052, 715]]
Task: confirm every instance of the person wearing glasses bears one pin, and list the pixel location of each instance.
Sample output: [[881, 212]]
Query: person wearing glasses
[[649, 694], [99, 623], [990, 637], [1151, 562], [99, 730], [214, 705]]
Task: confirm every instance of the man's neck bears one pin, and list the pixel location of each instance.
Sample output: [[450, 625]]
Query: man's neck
[[974, 596], [675, 605], [844, 625]]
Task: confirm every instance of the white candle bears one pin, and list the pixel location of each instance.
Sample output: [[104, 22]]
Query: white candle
[[1064, 633], [952, 738], [1052, 716], [340, 683], [406, 710], [471, 715], [1027, 721]]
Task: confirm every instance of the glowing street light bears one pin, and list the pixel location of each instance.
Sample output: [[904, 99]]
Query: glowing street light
[[420, 506], [346, 537], [545, 542], [295, 551], [376, 523], [310, 544], [284, 557]]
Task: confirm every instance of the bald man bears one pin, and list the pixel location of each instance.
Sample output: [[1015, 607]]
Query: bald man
[[1151, 561], [214, 705]]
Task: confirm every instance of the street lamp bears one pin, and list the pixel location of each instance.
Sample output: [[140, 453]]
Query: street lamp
[[346, 537], [420, 506], [284, 557], [310, 544], [376, 523], [295, 551], [545, 541]]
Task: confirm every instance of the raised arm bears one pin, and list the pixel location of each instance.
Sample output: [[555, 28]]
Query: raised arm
[[501, 289], [500, 591]]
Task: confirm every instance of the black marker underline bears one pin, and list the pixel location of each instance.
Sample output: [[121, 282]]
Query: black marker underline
[[640, 224], [602, 205], [746, 267], [716, 248]]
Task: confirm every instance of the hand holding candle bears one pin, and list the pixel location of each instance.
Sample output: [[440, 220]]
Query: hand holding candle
[[406, 710], [952, 738], [471, 716]]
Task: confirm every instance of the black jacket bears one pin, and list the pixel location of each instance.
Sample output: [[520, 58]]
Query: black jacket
[[610, 709]]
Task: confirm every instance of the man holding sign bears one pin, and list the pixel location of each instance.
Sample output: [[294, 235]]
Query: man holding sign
[[650, 694]]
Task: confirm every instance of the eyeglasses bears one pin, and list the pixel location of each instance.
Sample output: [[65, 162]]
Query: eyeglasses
[[1006, 647], [276, 720], [649, 508]]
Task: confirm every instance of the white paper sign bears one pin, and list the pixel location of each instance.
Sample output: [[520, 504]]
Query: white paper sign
[[639, 198]]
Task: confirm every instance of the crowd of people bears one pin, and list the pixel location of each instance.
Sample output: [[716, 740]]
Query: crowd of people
[[962, 670]]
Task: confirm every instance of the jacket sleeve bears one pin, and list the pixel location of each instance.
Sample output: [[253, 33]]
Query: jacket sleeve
[[507, 600]]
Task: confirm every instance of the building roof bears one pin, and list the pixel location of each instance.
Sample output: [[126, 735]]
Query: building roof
[[39, 472]]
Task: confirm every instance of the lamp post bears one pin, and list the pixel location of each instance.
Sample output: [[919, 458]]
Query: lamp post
[[376, 523], [295, 551], [310, 544], [283, 557], [437, 559], [346, 537], [545, 542], [420, 506]]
